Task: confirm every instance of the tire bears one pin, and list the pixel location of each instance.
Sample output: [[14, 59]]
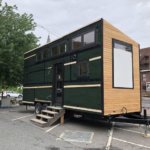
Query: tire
[[19, 96], [38, 108], [44, 106], [8, 96]]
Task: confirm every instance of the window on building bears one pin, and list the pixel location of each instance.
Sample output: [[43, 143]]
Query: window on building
[[83, 69], [144, 77], [55, 51], [63, 48], [122, 65], [49, 53], [89, 38], [77, 42], [39, 56], [45, 54], [146, 57]]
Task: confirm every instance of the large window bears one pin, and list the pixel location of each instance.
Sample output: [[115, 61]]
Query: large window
[[77, 42], [89, 38], [122, 65]]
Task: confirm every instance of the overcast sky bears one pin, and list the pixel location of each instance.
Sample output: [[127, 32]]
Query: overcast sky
[[60, 17]]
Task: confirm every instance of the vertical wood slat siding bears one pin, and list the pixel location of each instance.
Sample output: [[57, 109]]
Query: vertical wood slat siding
[[116, 99]]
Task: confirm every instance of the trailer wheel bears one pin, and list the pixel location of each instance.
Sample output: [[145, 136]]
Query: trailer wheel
[[44, 106], [38, 108]]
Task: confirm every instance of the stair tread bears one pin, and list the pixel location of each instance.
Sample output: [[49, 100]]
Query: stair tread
[[54, 107], [49, 112], [38, 121], [44, 116]]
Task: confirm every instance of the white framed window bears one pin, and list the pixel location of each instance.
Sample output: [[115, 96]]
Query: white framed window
[[122, 65]]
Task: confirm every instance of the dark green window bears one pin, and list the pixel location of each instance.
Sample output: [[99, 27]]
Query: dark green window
[[45, 54], [39, 56], [83, 69], [63, 48], [55, 51]]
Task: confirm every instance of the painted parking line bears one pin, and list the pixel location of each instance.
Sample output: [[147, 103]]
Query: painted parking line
[[139, 145], [76, 136], [129, 130], [110, 137], [21, 117], [50, 129]]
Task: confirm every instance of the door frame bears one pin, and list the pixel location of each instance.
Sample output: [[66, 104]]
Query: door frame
[[54, 83]]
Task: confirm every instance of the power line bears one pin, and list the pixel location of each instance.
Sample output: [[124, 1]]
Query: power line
[[49, 32]]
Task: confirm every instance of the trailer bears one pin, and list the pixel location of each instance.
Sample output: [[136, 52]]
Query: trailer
[[93, 70]]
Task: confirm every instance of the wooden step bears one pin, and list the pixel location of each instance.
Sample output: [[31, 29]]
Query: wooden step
[[54, 107], [39, 122], [49, 116], [43, 116], [49, 112]]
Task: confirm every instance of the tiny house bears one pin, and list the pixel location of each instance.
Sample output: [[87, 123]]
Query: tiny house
[[94, 69]]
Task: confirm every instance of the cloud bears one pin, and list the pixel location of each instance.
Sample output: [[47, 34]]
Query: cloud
[[62, 16]]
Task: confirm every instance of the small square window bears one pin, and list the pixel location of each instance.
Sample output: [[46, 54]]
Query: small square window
[[83, 69], [63, 48], [55, 51], [45, 54], [146, 57], [39, 56]]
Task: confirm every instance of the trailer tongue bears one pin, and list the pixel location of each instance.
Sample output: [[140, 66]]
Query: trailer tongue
[[133, 119]]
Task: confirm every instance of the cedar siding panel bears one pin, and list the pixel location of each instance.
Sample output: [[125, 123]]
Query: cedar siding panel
[[116, 99]]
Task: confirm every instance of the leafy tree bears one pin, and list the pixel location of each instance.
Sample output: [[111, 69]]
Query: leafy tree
[[16, 37]]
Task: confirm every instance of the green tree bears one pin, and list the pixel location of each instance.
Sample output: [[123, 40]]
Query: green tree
[[16, 37]]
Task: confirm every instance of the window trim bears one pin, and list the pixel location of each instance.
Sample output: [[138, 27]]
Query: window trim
[[126, 44]]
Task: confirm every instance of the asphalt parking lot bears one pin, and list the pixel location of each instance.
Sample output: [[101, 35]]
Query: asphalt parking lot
[[18, 133]]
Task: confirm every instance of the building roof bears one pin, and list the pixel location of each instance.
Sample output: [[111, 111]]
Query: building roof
[[147, 48]]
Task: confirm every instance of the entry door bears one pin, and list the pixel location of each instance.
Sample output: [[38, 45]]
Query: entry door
[[58, 84]]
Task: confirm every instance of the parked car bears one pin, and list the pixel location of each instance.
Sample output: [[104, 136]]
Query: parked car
[[11, 94]]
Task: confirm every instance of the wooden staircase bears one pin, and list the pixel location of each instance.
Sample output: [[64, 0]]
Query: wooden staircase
[[49, 116]]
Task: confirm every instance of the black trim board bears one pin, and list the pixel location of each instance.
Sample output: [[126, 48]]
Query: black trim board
[[140, 82], [102, 83]]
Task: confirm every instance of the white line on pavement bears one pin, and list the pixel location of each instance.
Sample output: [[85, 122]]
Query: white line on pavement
[[110, 137], [21, 117], [129, 130], [52, 128], [131, 143]]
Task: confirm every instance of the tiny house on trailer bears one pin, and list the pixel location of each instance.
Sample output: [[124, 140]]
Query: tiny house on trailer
[[94, 69]]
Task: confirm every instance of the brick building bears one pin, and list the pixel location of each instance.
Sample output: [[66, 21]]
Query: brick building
[[145, 70]]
